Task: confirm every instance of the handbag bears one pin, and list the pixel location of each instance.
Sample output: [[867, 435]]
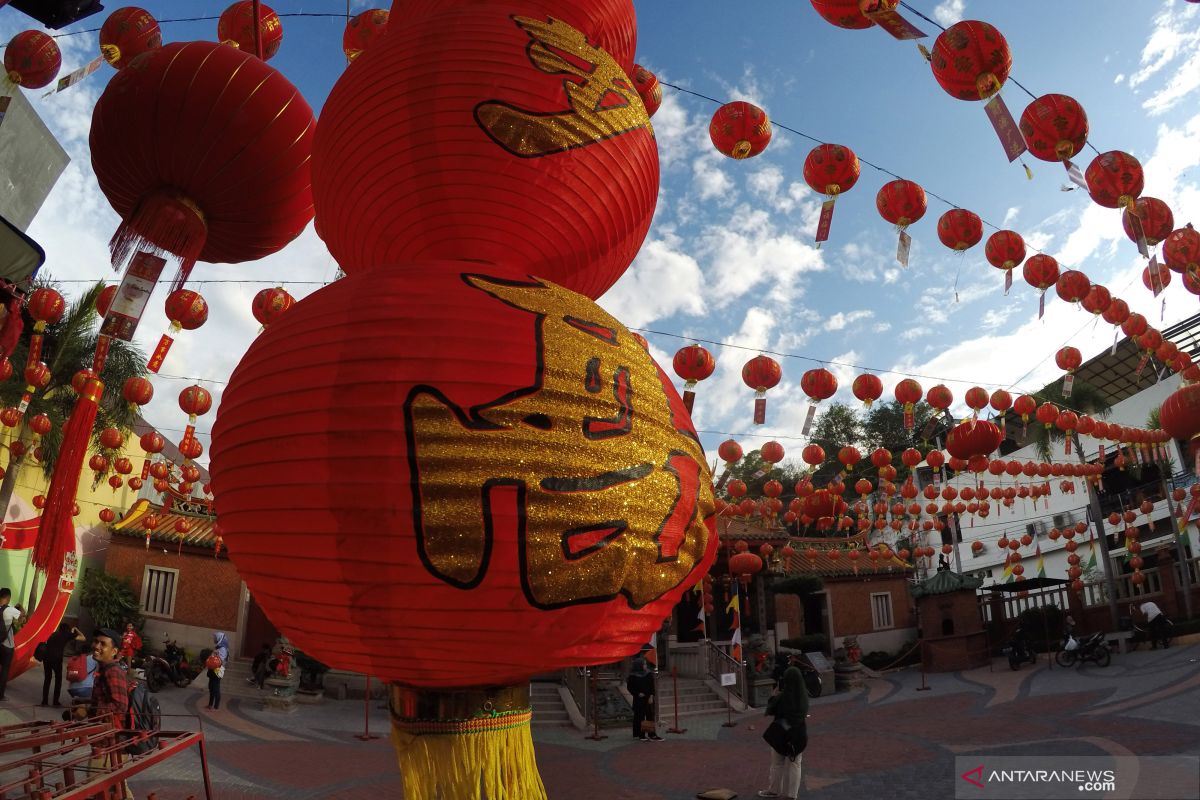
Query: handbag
[[649, 726], [787, 740], [41, 651]]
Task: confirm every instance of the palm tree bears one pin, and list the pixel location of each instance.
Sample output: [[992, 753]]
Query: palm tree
[[1085, 399], [68, 347]]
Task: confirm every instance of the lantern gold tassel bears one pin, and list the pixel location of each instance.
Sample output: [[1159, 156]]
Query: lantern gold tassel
[[450, 742], [163, 222]]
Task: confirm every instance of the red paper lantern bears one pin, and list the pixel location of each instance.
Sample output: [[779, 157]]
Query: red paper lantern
[[1068, 358], [1054, 127], [137, 390], [135, 483], [740, 130], [107, 515], [901, 202], [123, 465], [46, 306], [32, 59], [868, 388], [940, 397], [1001, 401], [1114, 179], [527, 155], [1024, 406], [1041, 271], [10, 417], [363, 30], [908, 394], [960, 229], [692, 363], [1117, 312], [111, 438], [1155, 218], [819, 384], [771, 452], [813, 455], [975, 437], [159, 471], [236, 28], [849, 456], [831, 169], [1047, 413], [104, 299], [648, 88], [971, 60], [195, 400], [842, 13], [115, 482], [98, 463], [760, 374], [1097, 300], [572, 592], [1157, 278], [152, 442], [935, 459], [1180, 412], [1072, 285], [730, 451], [270, 303], [190, 112], [126, 34], [1134, 325], [1004, 250], [1181, 251]]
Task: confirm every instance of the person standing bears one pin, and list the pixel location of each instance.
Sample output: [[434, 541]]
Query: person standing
[[56, 646], [216, 668], [789, 707], [9, 616], [1156, 624], [131, 644], [110, 690], [640, 684]]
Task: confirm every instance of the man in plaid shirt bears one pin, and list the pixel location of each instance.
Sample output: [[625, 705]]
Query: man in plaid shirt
[[110, 691]]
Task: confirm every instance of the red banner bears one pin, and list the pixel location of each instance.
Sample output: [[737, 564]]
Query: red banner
[[132, 296], [825, 221], [1005, 127], [895, 24], [160, 353]]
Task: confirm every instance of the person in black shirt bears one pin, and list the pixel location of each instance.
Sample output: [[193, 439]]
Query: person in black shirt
[[640, 684], [53, 665]]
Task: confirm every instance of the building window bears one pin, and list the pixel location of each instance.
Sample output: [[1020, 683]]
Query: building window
[[158, 591], [881, 610]]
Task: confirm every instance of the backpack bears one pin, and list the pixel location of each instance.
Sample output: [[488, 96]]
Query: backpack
[[144, 714], [77, 668], [41, 651]]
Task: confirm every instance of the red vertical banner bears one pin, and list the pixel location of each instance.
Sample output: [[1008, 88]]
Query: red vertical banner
[[1007, 280], [826, 220], [1142, 364], [132, 296], [1041, 305], [689, 399], [890, 21], [760, 410], [154, 364], [903, 246], [1005, 127]]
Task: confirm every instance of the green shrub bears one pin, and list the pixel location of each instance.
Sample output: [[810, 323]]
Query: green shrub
[[877, 659], [807, 643], [110, 600]]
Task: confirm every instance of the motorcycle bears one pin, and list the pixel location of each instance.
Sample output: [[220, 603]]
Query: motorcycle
[[1080, 651], [170, 667], [1018, 652]]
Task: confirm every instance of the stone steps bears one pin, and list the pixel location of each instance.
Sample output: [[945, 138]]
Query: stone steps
[[548, 708]]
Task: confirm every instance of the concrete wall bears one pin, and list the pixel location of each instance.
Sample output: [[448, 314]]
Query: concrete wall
[[31, 160], [850, 608]]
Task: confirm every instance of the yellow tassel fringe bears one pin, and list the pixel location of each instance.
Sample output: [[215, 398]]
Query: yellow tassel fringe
[[444, 766]]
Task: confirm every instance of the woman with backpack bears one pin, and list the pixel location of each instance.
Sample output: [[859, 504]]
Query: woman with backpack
[[216, 668], [51, 655], [787, 735]]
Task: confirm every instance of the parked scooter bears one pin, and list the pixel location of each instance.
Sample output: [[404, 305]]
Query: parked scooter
[[170, 667], [1079, 651], [1018, 650]]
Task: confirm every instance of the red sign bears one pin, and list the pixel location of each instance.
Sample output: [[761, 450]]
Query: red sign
[[825, 221], [1005, 127], [132, 296], [895, 24]]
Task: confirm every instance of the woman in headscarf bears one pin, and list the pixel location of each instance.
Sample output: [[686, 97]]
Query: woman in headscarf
[[789, 707], [216, 668]]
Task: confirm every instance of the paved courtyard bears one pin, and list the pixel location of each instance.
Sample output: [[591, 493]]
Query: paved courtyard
[[887, 740]]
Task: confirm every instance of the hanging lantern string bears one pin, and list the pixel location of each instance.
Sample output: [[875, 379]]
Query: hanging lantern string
[[337, 15]]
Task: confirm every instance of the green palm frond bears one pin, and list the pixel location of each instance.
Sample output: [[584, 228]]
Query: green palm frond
[[1085, 399]]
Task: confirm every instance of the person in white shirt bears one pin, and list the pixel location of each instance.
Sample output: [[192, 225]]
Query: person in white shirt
[[1156, 624], [9, 616]]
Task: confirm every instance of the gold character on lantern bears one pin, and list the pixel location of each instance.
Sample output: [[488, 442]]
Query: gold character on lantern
[[603, 102], [638, 512]]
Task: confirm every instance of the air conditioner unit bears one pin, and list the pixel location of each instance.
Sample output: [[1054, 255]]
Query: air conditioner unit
[[1063, 520]]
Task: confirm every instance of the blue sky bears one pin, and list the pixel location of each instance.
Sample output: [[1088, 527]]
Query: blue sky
[[730, 257]]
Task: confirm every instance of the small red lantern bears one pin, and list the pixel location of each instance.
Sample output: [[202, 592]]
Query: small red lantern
[[1041, 271], [1156, 277], [104, 300], [98, 464], [269, 304], [740, 130], [771, 452], [32, 59], [819, 384], [1097, 300], [363, 30], [159, 471], [1005, 250], [1072, 285], [901, 202], [1115, 179], [1054, 127], [195, 401], [813, 455], [692, 363], [868, 388], [760, 374], [115, 482], [1117, 312], [842, 13], [960, 229], [40, 425], [236, 28], [971, 60], [1134, 325], [730, 451], [908, 394], [940, 397], [46, 306], [107, 515], [849, 456], [137, 391], [1181, 251], [648, 88], [123, 466], [1024, 406], [126, 34], [976, 399], [187, 310], [111, 438], [135, 483], [830, 169], [10, 417], [1153, 220], [1047, 413], [37, 376]]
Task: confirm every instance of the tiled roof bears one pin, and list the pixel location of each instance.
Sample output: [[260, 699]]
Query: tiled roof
[[944, 581], [843, 565], [202, 533], [731, 528]]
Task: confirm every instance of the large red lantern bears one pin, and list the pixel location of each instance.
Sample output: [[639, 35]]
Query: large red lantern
[[760, 374], [1134, 325], [960, 229], [740, 130], [1180, 413], [830, 169], [1181, 251], [1041, 272], [901, 202], [1055, 127], [1068, 358], [237, 23], [868, 388], [192, 111], [730, 451], [270, 303], [126, 34], [842, 13], [692, 363], [1153, 220], [971, 60], [363, 30], [186, 310], [908, 394], [32, 59], [527, 157], [819, 384], [771, 452], [575, 533], [1115, 179], [975, 437], [648, 88], [940, 397]]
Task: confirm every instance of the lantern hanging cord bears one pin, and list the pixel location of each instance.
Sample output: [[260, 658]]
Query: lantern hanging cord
[[338, 15]]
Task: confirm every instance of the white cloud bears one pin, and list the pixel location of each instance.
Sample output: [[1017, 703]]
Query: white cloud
[[1010, 216], [949, 12], [1174, 44], [1119, 79], [662, 281], [841, 319]]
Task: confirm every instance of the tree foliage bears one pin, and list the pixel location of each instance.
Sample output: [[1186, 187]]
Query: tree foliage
[[800, 585], [110, 600]]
